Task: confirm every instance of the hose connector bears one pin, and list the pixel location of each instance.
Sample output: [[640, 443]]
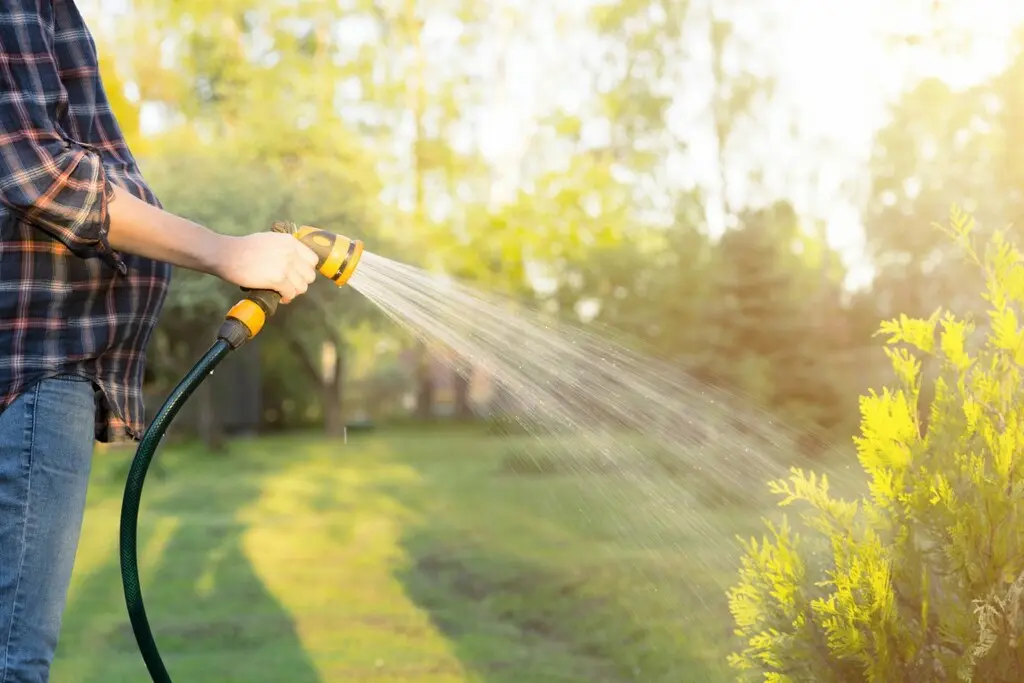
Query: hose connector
[[337, 258]]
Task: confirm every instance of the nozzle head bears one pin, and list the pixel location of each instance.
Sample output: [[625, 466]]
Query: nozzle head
[[338, 255]]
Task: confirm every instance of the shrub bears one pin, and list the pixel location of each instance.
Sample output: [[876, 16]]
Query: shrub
[[921, 577]]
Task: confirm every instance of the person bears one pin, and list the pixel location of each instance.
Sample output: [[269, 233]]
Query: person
[[86, 253]]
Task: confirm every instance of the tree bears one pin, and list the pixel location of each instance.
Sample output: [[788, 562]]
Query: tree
[[647, 53], [643, 245], [766, 307], [224, 67], [935, 144], [412, 99], [756, 316], [942, 138], [920, 577]]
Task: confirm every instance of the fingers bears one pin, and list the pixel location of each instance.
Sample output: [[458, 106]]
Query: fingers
[[286, 288], [298, 282], [304, 261], [291, 287], [301, 272], [307, 254]]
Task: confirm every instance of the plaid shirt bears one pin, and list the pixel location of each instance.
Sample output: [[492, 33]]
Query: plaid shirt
[[68, 302]]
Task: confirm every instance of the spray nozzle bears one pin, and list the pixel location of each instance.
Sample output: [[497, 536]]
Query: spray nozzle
[[337, 255], [337, 258]]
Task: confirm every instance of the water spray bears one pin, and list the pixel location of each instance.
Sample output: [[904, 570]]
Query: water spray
[[338, 258]]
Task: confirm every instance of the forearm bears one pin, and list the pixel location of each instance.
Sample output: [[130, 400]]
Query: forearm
[[263, 260], [139, 228]]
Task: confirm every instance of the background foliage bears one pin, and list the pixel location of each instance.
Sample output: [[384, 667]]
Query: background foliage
[[361, 117]]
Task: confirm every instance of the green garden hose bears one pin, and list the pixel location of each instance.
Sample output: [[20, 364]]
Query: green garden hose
[[133, 495], [337, 257]]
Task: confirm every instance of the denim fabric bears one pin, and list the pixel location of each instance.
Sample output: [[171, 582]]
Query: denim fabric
[[46, 447]]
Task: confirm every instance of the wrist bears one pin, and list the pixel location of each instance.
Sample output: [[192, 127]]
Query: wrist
[[211, 253]]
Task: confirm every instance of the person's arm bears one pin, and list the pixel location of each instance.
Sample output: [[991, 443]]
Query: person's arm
[[263, 260], [137, 227], [60, 186]]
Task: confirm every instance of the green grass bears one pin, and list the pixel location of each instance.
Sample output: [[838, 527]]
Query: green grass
[[402, 557]]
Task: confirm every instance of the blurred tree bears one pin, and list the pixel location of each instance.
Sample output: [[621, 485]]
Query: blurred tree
[[650, 53], [756, 320], [937, 143], [943, 144], [776, 325], [742, 86], [413, 95], [631, 139], [638, 75], [224, 67]]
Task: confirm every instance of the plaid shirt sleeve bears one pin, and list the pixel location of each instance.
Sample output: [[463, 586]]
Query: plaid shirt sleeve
[[54, 183]]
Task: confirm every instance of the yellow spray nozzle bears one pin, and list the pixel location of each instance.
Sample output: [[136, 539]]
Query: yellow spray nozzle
[[337, 258], [338, 255]]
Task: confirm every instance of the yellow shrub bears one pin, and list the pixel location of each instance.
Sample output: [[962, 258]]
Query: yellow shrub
[[919, 579]]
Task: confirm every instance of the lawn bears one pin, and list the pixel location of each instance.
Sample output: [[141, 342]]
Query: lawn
[[409, 556]]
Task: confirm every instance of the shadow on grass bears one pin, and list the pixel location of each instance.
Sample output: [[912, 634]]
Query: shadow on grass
[[212, 616], [513, 614], [488, 607]]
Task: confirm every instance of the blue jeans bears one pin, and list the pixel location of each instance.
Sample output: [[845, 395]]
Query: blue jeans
[[46, 446]]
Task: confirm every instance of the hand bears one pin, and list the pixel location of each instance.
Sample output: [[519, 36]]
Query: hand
[[267, 260]]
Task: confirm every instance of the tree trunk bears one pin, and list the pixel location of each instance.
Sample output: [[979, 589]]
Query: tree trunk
[[211, 431], [208, 420], [333, 386], [461, 381], [425, 383], [329, 374]]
